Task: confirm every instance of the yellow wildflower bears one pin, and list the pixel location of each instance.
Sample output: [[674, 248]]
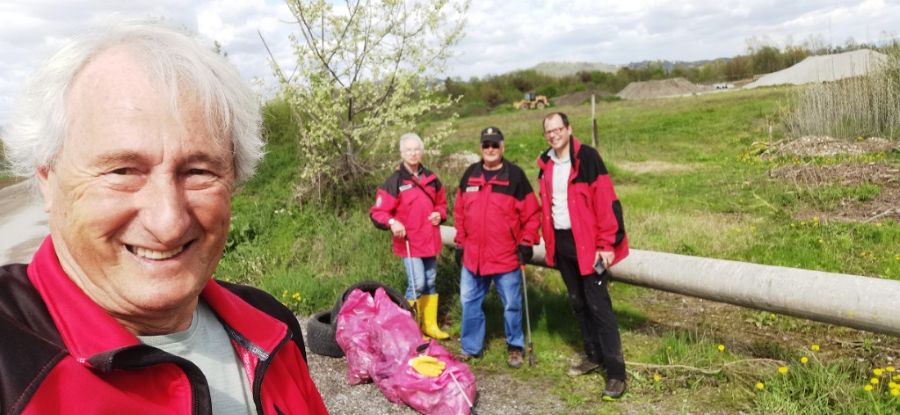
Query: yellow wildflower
[[783, 370], [814, 347], [760, 385], [893, 385], [889, 369], [804, 360], [657, 377], [721, 347], [895, 392], [874, 381], [878, 371], [868, 388]]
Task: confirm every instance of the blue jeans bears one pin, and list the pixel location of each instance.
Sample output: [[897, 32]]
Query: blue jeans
[[472, 289], [420, 276]]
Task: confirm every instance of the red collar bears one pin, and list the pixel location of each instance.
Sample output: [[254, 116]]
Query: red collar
[[86, 329]]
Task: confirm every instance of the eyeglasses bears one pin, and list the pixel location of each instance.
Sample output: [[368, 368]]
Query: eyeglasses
[[412, 150], [556, 131], [490, 144]]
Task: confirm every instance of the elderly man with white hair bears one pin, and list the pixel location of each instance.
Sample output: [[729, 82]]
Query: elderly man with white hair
[[412, 203], [136, 136]]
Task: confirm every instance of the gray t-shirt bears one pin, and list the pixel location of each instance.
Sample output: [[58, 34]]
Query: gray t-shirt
[[208, 346]]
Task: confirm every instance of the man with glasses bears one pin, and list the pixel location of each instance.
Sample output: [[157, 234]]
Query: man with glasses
[[412, 204], [584, 235], [497, 222]]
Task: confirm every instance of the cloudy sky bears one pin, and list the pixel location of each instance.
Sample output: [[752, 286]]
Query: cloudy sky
[[501, 35]]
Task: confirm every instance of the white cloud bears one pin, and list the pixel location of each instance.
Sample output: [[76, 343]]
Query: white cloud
[[500, 35]]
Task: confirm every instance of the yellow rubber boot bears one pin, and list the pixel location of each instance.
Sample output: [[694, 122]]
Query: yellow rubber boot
[[428, 305]]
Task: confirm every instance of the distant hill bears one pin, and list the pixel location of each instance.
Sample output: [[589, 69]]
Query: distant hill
[[668, 65], [560, 69]]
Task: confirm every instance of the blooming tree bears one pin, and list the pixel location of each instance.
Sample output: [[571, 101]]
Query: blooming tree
[[362, 78]]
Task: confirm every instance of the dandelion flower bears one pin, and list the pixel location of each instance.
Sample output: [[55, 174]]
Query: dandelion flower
[[893, 385], [874, 381], [878, 371], [868, 388], [760, 385], [814, 347], [783, 370], [721, 347], [889, 369], [657, 377], [895, 392], [804, 360]]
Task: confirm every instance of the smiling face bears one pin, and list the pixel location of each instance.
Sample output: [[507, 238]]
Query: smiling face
[[558, 135], [138, 199]]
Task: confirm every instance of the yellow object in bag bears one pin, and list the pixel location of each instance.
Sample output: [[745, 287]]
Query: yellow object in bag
[[427, 366]]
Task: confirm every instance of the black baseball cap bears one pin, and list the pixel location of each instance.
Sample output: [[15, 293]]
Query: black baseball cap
[[491, 134]]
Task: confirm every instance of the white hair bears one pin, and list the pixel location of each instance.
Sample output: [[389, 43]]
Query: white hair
[[173, 58], [411, 136]]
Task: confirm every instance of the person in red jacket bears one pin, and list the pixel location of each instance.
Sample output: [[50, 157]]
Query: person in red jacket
[[584, 235], [497, 221], [136, 136], [412, 203]]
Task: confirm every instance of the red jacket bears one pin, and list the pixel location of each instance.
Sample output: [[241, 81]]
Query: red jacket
[[493, 217], [594, 209], [61, 353], [411, 201]]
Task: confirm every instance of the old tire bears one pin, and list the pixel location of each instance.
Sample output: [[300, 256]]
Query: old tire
[[540, 105], [320, 335], [368, 287]]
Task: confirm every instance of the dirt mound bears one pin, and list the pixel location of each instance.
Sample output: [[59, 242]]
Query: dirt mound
[[823, 146], [880, 207], [578, 98], [845, 174], [662, 88], [824, 68]]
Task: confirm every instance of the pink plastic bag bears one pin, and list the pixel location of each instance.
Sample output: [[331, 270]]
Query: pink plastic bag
[[353, 336], [379, 338]]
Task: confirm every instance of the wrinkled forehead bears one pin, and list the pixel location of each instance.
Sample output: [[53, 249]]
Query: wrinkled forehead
[[120, 80]]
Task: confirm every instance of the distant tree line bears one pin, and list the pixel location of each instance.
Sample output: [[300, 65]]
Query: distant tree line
[[497, 92]]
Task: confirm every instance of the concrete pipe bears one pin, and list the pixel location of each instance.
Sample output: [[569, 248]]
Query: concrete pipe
[[855, 301]]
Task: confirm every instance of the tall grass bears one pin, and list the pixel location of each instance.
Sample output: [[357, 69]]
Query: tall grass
[[867, 106]]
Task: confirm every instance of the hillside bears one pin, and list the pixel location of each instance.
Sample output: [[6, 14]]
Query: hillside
[[561, 69]]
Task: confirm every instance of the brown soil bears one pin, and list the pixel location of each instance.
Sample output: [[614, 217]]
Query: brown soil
[[885, 175], [823, 146]]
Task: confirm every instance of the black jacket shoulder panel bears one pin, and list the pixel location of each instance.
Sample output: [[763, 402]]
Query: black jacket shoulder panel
[[271, 306], [473, 170], [392, 184], [590, 165], [30, 345]]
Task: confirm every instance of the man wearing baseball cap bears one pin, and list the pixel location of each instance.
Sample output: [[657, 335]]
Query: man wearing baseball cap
[[497, 220]]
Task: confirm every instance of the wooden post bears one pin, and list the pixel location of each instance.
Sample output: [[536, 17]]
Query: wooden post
[[594, 137]]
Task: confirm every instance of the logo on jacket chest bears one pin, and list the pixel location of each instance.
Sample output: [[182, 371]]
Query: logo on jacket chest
[[473, 189], [405, 187]]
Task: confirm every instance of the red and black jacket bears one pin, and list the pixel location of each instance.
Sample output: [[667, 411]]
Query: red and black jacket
[[411, 201], [594, 209], [61, 353], [492, 217]]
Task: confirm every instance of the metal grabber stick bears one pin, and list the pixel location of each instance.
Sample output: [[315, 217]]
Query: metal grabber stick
[[410, 275], [531, 360]]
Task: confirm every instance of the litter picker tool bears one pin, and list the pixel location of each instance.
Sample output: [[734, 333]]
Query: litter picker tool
[[463, 392], [530, 350], [410, 275]]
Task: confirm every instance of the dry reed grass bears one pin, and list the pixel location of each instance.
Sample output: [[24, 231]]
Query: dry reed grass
[[867, 106]]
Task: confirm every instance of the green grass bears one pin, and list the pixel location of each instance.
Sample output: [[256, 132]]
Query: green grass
[[719, 202]]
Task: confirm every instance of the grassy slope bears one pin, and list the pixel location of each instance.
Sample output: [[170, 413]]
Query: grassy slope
[[721, 206]]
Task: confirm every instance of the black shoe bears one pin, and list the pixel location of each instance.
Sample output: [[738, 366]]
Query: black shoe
[[465, 357], [583, 367], [515, 358], [614, 389]]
